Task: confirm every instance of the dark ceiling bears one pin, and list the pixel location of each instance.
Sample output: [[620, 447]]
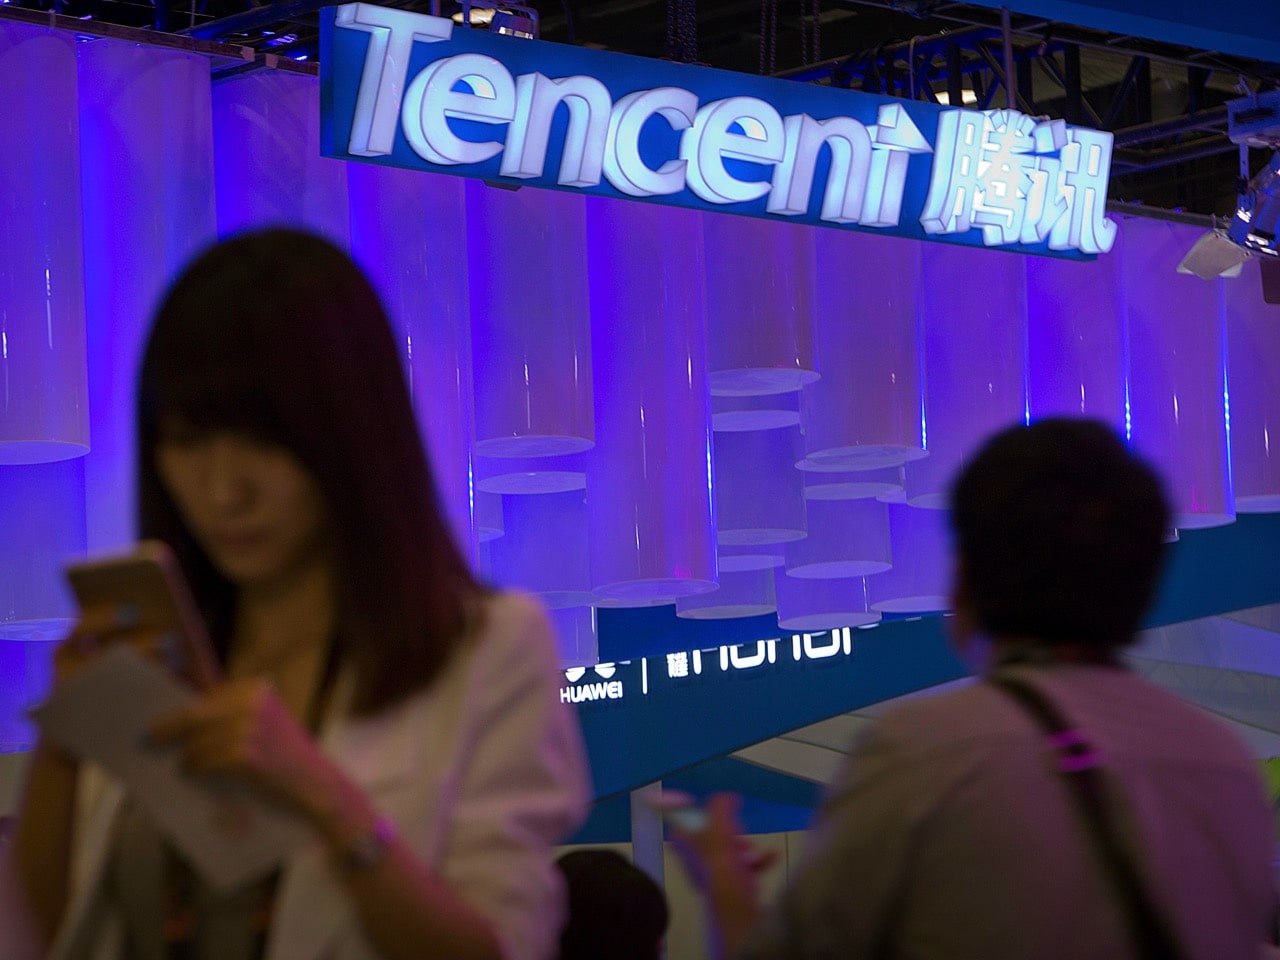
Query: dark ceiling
[[1163, 102]]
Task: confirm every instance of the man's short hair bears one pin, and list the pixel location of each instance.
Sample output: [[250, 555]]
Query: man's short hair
[[616, 911], [1059, 530]]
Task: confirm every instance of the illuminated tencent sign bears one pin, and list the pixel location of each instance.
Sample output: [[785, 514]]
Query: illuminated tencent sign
[[408, 90]]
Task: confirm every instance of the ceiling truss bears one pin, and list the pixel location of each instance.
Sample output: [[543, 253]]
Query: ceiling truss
[[1164, 103]]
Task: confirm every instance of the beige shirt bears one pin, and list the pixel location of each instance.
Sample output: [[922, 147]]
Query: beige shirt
[[951, 835], [483, 774]]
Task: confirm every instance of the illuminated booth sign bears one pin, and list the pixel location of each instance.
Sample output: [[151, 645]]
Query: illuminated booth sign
[[410, 90]]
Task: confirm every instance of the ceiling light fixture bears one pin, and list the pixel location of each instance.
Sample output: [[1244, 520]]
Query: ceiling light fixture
[[513, 19], [1253, 121], [1254, 224]]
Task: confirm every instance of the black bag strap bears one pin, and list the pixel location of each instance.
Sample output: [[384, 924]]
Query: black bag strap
[[1078, 762]]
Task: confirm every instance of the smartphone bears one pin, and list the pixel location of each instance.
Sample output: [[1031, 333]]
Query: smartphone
[[146, 586], [679, 809]]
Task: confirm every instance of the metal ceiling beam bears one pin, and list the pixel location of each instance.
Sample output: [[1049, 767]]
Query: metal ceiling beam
[[256, 18], [972, 14], [1213, 119], [1126, 162], [1246, 28], [217, 52]]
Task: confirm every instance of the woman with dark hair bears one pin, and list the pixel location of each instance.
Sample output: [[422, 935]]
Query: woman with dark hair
[[372, 685]]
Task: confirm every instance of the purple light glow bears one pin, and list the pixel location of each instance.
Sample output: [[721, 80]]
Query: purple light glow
[[267, 162], [653, 530], [864, 412], [412, 261], [43, 402], [1075, 339], [146, 135], [974, 352], [1253, 348], [530, 323], [1177, 357]]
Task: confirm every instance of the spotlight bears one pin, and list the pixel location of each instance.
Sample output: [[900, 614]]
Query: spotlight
[[513, 19], [1254, 224], [1252, 121], [1214, 255], [470, 16], [516, 21], [1252, 229]]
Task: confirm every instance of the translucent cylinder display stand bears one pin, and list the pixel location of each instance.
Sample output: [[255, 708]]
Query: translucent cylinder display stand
[[760, 556], [44, 409], [531, 475], [490, 524], [920, 579], [1177, 372], [613, 603], [543, 548], [748, 593], [818, 604], [765, 412], [759, 492], [760, 321], [576, 636], [974, 324], [405, 227], [530, 325], [847, 538], [653, 529], [1253, 376], [1075, 339], [897, 494], [865, 411], [43, 528], [269, 171], [883, 484], [146, 149]]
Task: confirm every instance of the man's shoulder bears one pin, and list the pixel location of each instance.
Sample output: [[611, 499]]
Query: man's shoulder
[[929, 709], [1117, 707], [971, 714]]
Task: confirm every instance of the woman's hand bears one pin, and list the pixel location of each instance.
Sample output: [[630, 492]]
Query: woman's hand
[[242, 730], [42, 846], [726, 868], [100, 627]]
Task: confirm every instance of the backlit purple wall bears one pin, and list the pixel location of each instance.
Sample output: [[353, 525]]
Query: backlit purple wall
[[991, 338]]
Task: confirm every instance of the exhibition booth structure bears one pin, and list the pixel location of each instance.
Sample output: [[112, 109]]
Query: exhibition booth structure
[[695, 353]]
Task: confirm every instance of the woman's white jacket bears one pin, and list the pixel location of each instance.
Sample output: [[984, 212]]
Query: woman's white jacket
[[483, 774]]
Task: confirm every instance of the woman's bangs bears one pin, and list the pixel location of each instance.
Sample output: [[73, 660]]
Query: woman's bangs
[[209, 396]]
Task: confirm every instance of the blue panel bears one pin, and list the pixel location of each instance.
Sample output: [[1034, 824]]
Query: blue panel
[[609, 822], [1209, 572], [659, 723], [1247, 28], [750, 781], [669, 715], [771, 802], [1221, 569], [630, 633]]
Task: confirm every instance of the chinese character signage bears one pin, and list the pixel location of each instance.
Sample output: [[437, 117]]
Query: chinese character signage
[[410, 90]]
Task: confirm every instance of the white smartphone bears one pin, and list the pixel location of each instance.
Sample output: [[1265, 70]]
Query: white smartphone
[[679, 809], [146, 586]]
